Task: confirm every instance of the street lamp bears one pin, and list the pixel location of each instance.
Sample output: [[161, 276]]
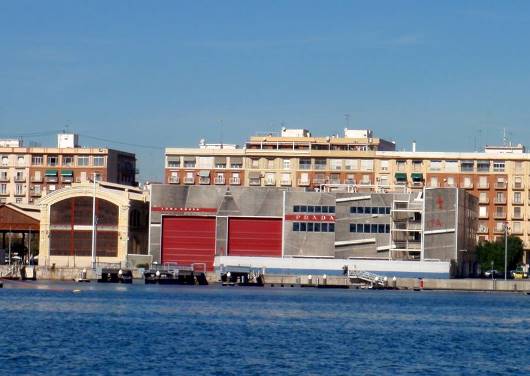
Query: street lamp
[[506, 229]]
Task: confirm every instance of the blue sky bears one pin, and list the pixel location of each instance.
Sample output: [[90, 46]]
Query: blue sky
[[448, 74]]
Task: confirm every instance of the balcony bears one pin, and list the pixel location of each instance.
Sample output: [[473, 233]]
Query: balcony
[[204, 181], [483, 185], [318, 181], [517, 201], [174, 180], [20, 179], [482, 229], [189, 180], [484, 200], [285, 182], [499, 200], [500, 185], [52, 179], [20, 193], [466, 185], [219, 180], [321, 167], [517, 216], [36, 194], [235, 180], [4, 179], [303, 182], [254, 181], [36, 179], [499, 215], [484, 215], [499, 230], [517, 186], [4, 193], [67, 179]]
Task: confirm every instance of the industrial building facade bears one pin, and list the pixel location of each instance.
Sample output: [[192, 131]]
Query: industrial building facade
[[29, 173], [499, 176], [196, 225], [66, 228]]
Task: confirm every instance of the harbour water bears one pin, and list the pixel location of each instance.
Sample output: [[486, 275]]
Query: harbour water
[[148, 329]]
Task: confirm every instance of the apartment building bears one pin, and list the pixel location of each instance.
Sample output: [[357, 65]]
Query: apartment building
[[499, 176], [29, 173]]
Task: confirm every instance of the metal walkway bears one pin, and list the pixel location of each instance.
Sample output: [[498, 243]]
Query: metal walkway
[[371, 278]]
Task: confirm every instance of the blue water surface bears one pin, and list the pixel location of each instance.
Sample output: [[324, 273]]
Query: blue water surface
[[175, 330]]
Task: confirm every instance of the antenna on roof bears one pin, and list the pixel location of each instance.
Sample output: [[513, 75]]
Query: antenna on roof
[[347, 117], [221, 132]]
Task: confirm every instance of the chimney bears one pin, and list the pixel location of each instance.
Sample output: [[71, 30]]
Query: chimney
[[414, 146]]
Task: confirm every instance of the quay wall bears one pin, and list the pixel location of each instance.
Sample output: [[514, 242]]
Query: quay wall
[[469, 284]]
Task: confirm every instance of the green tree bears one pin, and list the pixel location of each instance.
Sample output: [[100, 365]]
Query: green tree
[[494, 251]]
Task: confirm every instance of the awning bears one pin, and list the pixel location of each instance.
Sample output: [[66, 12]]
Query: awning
[[189, 159], [204, 173], [417, 176], [254, 175], [51, 173], [401, 176], [236, 160], [220, 160], [173, 158], [67, 173]]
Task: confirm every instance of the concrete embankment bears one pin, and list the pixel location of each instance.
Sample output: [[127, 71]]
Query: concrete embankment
[[469, 284]]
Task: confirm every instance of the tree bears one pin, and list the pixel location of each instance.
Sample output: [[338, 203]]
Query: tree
[[494, 251]]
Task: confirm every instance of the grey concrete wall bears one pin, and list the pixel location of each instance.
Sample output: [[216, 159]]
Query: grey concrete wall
[[308, 243]]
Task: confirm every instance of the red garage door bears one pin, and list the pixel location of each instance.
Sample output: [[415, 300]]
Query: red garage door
[[255, 237], [187, 240]]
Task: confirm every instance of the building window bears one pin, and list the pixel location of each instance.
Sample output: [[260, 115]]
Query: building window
[[21, 161], [467, 166], [173, 163], [416, 166], [36, 160], [83, 160], [370, 210], [5, 160], [351, 164], [254, 163], [367, 165], [286, 164], [53, 160], [517, 198], [304, 164], [518, 212], [68, 161], [450, 181], [20, 176], [435, 166], [384, 165], [313, 209], [451, 166], [99, 161], [320, 164], [3, 189], [434, 181], [19, 189], [335, 164], [498, 166], [374, 228], [483, 166]]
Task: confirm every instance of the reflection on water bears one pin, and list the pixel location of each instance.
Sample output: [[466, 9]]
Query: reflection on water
[[135, 329]]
